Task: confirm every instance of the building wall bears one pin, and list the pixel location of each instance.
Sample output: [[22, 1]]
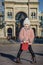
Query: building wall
[[41, 23], [22, 7], [33, 8], [1, 18], [2, 33]]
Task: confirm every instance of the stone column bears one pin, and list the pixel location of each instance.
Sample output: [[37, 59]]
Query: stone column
[[28, 8], [5, 31], [14, 28]]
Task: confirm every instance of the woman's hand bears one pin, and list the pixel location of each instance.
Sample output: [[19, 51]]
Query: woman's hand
[[24, 41]]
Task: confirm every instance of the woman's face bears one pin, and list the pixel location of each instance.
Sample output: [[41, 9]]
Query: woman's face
[[26, 26]]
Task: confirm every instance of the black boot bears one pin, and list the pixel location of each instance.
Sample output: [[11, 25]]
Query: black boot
[[33, 59], [18, 60]]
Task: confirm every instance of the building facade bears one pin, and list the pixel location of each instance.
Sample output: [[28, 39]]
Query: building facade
[[41, 24], [1, 18], [15, 13]]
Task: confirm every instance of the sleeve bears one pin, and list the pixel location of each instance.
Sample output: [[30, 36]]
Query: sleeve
[[21, 35], [32, 36]]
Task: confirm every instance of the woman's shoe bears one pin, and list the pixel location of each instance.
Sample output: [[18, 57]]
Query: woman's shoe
[[33, 59], [18, 60]]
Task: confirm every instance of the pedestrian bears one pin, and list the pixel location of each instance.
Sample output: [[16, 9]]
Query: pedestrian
[[26, 35]]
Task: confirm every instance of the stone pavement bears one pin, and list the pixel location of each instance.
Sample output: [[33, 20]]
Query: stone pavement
[[8, 53]]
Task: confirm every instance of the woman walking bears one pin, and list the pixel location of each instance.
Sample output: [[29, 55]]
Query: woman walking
[[26, 35]]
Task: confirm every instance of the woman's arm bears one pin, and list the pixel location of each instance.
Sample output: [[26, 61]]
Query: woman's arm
[[31, 36], [21, 35]]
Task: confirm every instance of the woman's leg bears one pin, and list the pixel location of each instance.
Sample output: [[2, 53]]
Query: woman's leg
[[32, 53], [18, 54]]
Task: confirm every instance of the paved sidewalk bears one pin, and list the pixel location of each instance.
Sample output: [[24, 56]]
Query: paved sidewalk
[[8, 53], [6, 41]]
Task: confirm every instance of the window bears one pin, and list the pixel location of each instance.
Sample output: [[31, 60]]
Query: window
[[41, 18], [33, 15], [2, 3], [9, 14], [33, 12]]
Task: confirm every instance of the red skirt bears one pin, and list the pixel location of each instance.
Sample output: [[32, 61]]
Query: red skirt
[[25, 46]]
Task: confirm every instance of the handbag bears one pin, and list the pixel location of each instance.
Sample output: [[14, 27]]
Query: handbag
[[25, 46]]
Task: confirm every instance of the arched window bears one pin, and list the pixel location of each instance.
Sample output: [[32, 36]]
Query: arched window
[[20, 16], [9, 31]]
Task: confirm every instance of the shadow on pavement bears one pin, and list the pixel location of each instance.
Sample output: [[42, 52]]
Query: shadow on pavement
[[8, 56], [41, 54], [11, 57]]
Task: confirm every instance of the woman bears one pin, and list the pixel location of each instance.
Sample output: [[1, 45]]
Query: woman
[[26, 35]]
